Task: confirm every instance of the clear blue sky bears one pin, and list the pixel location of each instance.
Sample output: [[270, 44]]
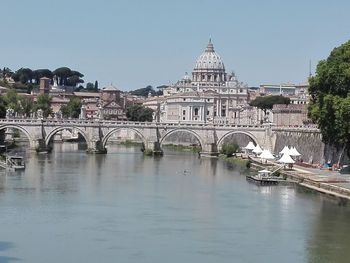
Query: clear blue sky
[[134, 43]]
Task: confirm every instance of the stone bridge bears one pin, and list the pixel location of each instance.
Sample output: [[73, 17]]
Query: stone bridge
[[96, 133]]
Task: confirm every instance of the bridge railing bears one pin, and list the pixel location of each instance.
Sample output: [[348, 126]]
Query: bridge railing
[[92, 122]]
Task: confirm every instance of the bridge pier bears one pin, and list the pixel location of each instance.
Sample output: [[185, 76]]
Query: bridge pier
[[96, 147], [209, 150], [40, 146], [152, 148]]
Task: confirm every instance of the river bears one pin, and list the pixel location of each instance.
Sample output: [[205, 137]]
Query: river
[[69, 206]]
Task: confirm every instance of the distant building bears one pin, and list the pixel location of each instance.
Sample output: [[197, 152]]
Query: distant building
[[209, 95], [290, 115], [44, 86]]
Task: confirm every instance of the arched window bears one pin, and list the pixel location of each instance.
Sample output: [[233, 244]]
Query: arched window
[[196, 111]]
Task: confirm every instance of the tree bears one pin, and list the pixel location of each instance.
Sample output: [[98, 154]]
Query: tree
[[40, 73], [139, 113], [73, 80], [90, 86], [12, 100], [43, 102], [144, 91], [26, 106], [266, 103], [62, 74], [330, 97], [23, 75], [229, 149], [72, 109], [3, 107]]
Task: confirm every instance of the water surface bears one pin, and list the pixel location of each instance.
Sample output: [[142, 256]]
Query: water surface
[[123, 207]]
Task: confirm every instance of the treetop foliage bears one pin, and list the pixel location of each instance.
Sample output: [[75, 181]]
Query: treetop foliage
[[330, 97], [139, 113], [267, 102], [146, 91]]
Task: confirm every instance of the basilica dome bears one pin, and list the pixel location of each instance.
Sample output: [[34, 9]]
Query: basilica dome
[[209, 67]]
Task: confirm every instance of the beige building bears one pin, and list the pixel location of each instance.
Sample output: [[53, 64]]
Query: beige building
[[290, 115], [209, 95]]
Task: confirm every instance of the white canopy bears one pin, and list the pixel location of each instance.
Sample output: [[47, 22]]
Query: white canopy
[[285, 150], [250, 146], [294, 152], [266, 154], [257, 149], [286, 159]]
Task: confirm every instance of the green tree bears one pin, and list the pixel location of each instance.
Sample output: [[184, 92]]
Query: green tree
[[74, 80], [43, 102], [96, 86], [26, 106], [139, 113], [90, 86], [144, 91], [23, 75], [72, 109], [266, 102], [229, 149], [62, 74], [40, 73], [12, 100], [3, 107], [330, 97]]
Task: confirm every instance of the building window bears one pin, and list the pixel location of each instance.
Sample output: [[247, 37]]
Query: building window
[[184, 99], [207, 112], [223, 113], [183, 118], [196, 111], [183, 112]]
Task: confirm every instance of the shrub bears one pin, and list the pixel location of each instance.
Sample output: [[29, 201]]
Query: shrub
[[229, 149]]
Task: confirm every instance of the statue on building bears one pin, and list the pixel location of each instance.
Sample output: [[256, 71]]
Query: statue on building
[[40, 114], [58, 115], [100, 113], [10, 113], [82, 114]]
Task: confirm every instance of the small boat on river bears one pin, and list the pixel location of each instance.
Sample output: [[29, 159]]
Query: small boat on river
[[265, 177], [13, 163]]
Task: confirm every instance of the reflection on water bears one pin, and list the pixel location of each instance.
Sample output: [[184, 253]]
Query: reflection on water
[[126, 207]]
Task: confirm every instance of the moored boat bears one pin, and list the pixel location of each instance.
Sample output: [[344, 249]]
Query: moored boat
[[265, 177], [13, 162]]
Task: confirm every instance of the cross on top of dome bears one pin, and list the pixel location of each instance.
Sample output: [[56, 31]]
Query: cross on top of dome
[[210, 47]]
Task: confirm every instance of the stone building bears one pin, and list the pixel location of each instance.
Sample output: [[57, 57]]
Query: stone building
[[290, 115], [209, 95]]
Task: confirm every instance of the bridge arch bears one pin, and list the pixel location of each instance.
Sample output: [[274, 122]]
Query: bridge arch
[[109, 134], [56, 130], [198, 137], [251, 136], [13, 126]]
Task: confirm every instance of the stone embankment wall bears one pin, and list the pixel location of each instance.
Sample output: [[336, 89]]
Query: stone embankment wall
[[309, 144], [311, 147]]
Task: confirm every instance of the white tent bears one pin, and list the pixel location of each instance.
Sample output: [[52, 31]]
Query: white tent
[[257, 149], [294, 152], [285, 150], [250, 146], [267, 155], [286, 159]]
